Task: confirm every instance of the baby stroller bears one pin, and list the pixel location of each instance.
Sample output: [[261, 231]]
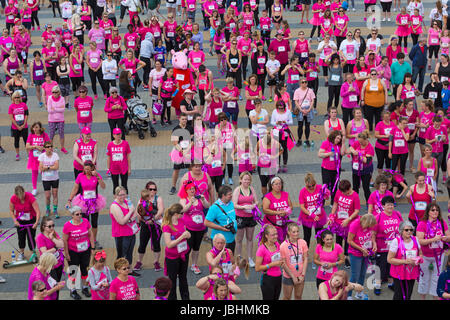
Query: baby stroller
[[139, 117]]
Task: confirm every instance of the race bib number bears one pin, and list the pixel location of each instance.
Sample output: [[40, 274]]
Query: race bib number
[[363, 74], [399, 143], [433, 95], [261, 60], [411, 254], [304, 54], [108, 31], [19, 117], [329, 270], [313, 74], [436, 245], [434, 41], [82, 246], [89, 194], [184, 144], [216, 164], [25, 216], [276, 132], [197, 219], [134, 227], [94, 60], [248, 22], [117, 156], [265, 27], [156, 34], [420, 205], [367, 244], [197, 60], [355, 165], [234, 61], [84, 114], [78, 33], [115, 46], [404, 20], [39, 73], [444, 79], [373, 88], [170, 34], [276, 257], [410, 94], [86, 157], [295, 77], [430, 172], [182, 246], [231, 104], [415, 21], [335, 77], [180, 77], [77, 66], [387, 131], [131, 43], [227, 145], [36, 153], [281, 49], [411, 126], [296, 259], [343, 215], [99, 40], [352, 98]]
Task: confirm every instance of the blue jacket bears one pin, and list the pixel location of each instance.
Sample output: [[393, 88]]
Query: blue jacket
[[418, 58], [443, 285]]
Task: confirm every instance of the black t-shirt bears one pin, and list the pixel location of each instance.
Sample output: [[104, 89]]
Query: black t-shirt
[[180, 134], [189, 107]]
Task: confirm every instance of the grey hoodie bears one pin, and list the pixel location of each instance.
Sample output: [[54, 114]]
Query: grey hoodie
[[147, 48]]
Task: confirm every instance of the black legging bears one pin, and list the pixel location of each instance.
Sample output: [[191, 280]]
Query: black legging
[[403, 287], [371, 114], [340, 241], [347, 115], [405, 41], [22, 234], [383, 158], [333, 93], [177, 269], [314, 29], [307, 232], [217, 181], [17, 134], [108, 85], [117, 123], [123, 10], [348, 68], [94, 75], [229, 168], [314, 85], [329, 178], [123, 179], [339, 41], [415, 38], [300, 128], [365, 179], [149, 232], [433, 49], [261, 81], [283, 144], [244, 64], [34, 18], [269, 4], [402, 158], [270, 287], [147, 69], [55, 5], [166, 108]]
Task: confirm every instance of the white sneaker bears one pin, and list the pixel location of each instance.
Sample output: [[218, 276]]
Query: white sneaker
[[389, 19], [384, 19], [34, 192], [20, 257], [251, 263], [2, 280], [230, 181], [353, 9], [349, 298], [395, 10]]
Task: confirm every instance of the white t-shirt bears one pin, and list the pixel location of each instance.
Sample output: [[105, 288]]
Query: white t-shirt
[[107, 69], [344, 47], [157, 77], [49, 175], [259, 128], [272, 65], [66, 10], [286, 117], [408, 246]]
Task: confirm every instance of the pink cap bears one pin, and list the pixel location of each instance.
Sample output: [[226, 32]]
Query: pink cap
[[86, 130], [117, 131]]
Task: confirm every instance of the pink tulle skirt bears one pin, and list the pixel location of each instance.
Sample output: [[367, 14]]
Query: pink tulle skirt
[[338, 229], [100, 203], [308, 222], [177, 157], [315, 21], [402, 31]]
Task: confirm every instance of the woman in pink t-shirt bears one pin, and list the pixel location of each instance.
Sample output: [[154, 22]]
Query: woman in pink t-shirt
[[337, 287], [176, 262], [431, 232], [124, 286], [50, 241], [426, 117], [18, 113], [24, 210], [398, 145], [362, 244], [35, 146], [118, 159], [294, 253], [88, 198], [331, 151], [83, 104], [269, 262], [94, 62], [78, 243], [328, 256], [194, 218], [381, 191]]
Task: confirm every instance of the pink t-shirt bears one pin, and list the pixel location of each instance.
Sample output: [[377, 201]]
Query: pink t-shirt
[[157, 77], [85, 152], [329, 163], [124, 290], [387, 229], [399, 144], [384, 129], [130, 65], [293, 254], [330, 257], [194, 218], [310, 202], [375, 200], [118, 154], [116, 113], [425, 119], [24, 210], [269, 257], [170, 28], [84, 109], [346, 205], [131, 40], [125, 230], [432, 133], [35, 140], [47, 87], [36, 275], [78, 235], [98, 36], [431, 229], [87, 184], [18, 112], [365, 152], [43, 241], [181, 248], [363, 237], [196, 58], [94, 58]]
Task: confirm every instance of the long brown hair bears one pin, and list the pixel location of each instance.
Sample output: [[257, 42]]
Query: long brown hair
[[176, 208]]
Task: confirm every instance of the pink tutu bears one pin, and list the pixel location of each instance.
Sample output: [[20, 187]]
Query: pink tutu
[[100, 203], [308, 222], [315, 21], [338, 229], [402, 31], [178, 158]]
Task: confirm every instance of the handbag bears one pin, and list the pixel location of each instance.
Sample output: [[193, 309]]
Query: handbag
[[296, 110]]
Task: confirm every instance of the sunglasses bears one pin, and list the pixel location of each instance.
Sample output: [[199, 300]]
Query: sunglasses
[[42, 290], [109, 55], [50, 226], [126, 268], [114, 92], [303, 81], [49, 147], [373, 74], [77, 214], [152, 189], [311, 186], [408, 230], [82, 91]]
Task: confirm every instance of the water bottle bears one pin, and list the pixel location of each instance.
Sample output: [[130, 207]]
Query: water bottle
[[312, 145], [13, 256], [175, 93], [129, 203], [304, 146]]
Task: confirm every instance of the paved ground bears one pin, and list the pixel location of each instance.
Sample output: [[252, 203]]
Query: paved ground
[[150, 161]]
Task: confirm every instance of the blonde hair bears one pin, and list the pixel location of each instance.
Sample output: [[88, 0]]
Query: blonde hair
[[245, 173], [309, 178], [267, 229], [119, 263], [367, 221], [19, 191], [176, 208], [118, 189], [16, 94], [47, 261]]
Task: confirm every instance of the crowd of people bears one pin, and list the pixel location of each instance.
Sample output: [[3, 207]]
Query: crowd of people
[[380, 96]]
